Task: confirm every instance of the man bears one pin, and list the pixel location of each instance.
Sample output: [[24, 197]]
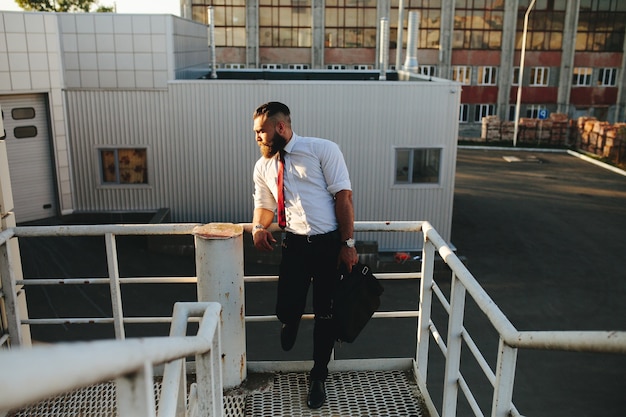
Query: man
[[319, 225]]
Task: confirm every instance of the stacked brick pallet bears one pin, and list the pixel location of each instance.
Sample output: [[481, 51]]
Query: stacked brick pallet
[[602, 138], [553, 131]]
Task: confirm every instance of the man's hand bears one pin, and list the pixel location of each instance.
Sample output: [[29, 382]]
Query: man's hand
[[263, 240], [348, 257]]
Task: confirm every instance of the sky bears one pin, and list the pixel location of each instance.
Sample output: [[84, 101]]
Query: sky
[[123, 6]]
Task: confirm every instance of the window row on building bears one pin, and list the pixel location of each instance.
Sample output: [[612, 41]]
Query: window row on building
[[536, 76], [474, 113], [477, 24], [484, 75]]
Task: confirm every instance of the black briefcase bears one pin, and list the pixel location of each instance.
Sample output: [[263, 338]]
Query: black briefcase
[[356, 298]]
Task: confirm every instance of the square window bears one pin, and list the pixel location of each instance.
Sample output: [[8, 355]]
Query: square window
[[607, 77], [429, 70], [581, 76], [532, 111], [539, 76], [124, 166], [417, 165], [484, 110], [462, 74], [487, 76]]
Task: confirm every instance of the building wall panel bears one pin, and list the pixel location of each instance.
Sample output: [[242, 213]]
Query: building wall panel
[[202, 148]]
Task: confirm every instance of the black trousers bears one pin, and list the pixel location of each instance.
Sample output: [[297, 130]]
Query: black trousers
[[305, 260]]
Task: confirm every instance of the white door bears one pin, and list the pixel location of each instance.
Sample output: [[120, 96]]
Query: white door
[[28, 145]]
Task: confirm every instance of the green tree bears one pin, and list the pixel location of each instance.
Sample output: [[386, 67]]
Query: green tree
[[62, 5]]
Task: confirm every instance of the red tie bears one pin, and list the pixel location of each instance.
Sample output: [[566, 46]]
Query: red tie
[[282, 221]]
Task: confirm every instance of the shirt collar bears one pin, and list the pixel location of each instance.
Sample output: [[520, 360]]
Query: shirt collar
[[289, 146]]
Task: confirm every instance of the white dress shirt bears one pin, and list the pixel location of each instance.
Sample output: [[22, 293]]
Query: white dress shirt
[[315, 171]]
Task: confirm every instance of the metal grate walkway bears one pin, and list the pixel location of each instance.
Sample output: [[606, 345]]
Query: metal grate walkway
[[367, 393]]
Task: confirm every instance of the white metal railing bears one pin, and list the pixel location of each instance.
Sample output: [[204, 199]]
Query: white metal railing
[[463, 284], [41, 372]]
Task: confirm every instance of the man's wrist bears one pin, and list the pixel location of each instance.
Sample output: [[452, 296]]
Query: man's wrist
[[350, 243], [256, 228]]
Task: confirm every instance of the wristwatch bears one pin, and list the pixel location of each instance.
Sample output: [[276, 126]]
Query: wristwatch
[[349, 243], [257, 228]]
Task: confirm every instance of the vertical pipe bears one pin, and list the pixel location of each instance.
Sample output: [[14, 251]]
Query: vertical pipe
[[219, 266], [521, 72], [410, 62], [399, 42], [212, 40], [383, 59]]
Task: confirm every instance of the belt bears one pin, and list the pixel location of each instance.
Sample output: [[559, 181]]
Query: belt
[[325, 237]]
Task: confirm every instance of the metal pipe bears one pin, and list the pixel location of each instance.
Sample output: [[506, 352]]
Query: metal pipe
[[521, 72], [219, 266], [410, 63], [383, 59], [399, 40], [212, 40]]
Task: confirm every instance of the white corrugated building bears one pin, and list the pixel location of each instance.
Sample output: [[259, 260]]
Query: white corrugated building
[[106, 113]]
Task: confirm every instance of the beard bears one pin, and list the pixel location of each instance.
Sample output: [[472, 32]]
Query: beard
[[277, 144]]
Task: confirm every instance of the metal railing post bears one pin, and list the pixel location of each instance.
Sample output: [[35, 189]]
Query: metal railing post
[[114, 285], [425, 304], [219, 267], [208, 399], [7, 279], [135, 393], [454, 342], [505, 378]]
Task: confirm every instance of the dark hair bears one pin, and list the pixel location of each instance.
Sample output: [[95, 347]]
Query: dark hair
[[271, 109]]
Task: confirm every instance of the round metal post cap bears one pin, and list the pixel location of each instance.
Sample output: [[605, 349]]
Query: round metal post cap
[[218, 230]]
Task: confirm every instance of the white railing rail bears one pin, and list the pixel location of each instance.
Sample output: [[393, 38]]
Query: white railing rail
[[510, 339], [463, 284], [41, 372]]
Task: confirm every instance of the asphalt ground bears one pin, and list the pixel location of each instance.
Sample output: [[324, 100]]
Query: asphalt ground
[[544, 235]]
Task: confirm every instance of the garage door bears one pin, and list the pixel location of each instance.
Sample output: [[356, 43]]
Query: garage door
[[30, 161]]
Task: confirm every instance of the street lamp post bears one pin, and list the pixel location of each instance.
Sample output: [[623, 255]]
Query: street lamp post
[[521, 72]]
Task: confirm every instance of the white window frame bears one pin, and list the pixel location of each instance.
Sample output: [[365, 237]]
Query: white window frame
[[336, 67], [272, 66], [539, 76], [607, 77], [299, 66], [532, 110], [483, 110], [515, 76], [429, 160], [487, 75], [581, 76], [462, 74], [428, 70], [119, 183], [464, 113]]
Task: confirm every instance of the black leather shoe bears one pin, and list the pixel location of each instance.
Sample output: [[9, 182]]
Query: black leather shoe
[[317, 394], [288, 335]]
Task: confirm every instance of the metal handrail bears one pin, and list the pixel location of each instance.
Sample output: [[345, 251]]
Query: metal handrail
[[30, 375], [463, 284]]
